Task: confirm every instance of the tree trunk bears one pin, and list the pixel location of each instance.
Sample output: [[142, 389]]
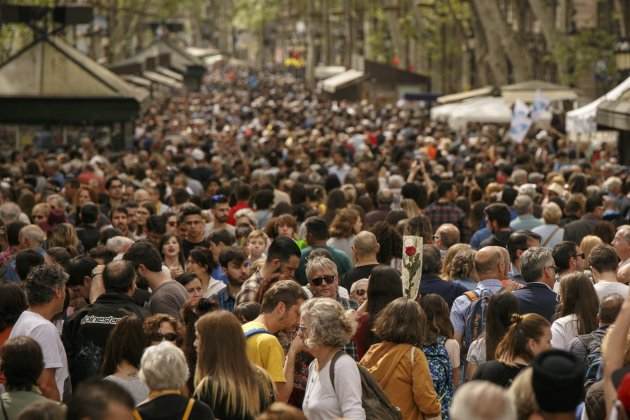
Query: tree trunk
[[498, 28], [556, 42], [394, 28], [419, 60], [310, 48], [495, 58]]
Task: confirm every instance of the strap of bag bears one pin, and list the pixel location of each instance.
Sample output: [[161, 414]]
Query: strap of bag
[[331, 369], [189, 408], [4, 409], [255, 331], [550, 236], [472, 295]]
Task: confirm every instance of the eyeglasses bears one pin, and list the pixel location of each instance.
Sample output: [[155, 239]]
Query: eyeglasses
[[161, 337], [360, 292], [555, 269], [318, 281]]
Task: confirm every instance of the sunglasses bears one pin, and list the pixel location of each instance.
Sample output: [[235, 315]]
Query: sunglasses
[[360, 292], [318, 281], [161, 337]]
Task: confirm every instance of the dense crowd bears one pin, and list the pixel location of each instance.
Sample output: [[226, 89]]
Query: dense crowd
[[244, 260]]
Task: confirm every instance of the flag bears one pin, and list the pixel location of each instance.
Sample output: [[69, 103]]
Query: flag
[[521, 121]]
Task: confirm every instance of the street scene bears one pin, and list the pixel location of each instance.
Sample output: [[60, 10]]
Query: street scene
[[315, 209]]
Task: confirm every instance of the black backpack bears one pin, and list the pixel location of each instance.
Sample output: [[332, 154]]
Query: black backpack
[[374, 401]]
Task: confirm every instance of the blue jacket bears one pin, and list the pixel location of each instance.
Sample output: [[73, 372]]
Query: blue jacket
[[537, 298], [448, 290]]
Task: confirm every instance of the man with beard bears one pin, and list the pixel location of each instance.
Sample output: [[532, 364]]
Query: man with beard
[[283, 258]]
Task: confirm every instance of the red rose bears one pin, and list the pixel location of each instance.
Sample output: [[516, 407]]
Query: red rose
[[410, 251]]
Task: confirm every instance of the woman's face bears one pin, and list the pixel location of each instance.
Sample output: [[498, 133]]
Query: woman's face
[[84, 197], [194, 267], [256, 247], [39, 217], [171, 225], [358, 225], [165, 332], [171, 247], [194, 291], [286, 230], [542, 344]]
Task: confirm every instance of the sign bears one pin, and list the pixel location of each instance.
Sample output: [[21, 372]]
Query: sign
[[540, 108], [412, 265], [521, 121]]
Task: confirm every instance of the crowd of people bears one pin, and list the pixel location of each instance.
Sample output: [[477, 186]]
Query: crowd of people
[[244, 260]]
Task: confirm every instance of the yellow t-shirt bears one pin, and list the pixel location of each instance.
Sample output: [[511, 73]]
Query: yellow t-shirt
[[264, 350]]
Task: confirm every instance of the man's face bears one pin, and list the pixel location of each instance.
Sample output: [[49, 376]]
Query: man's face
[[533, 243], [323, 283], [120, 221], [142, 215], [220, 212], [236, 273], [115, 190], [287, 269], [195, 227], [291, 316], [622, 245]]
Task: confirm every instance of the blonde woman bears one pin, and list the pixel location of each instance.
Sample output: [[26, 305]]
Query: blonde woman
[[225, 379]]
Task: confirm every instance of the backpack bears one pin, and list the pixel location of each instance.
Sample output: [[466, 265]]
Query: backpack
[[475, 322], [374, 401], [441, 373]]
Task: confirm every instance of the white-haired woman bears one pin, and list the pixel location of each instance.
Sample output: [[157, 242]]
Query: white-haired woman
[[333, 388], [164, 370], [551, 233]]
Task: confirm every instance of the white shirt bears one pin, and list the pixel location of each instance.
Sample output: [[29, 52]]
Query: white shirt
[[47, 336], [323, 402], [607, 288], [214, 287], [563, 330]]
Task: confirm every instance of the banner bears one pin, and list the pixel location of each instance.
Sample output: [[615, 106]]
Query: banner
[[540, 108], [521, 121]]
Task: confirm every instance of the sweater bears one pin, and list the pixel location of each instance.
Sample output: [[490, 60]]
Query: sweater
[[402, 371]]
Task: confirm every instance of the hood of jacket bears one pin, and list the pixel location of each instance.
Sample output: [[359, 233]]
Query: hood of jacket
[[382, 359]]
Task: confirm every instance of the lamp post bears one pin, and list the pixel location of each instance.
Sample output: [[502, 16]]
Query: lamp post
[[622, 57]]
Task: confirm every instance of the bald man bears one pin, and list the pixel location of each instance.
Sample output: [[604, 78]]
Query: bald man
[[364, 251], [492, 264]]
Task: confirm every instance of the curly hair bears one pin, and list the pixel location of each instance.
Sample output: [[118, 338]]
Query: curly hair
[[343, 224], [328, 323], [152, 326], [462, 265]]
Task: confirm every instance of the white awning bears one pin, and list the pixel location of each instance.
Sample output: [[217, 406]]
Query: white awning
[[583, 120], [527, 91], [324, 72], [161, 79], [332, 84], [460, 96]]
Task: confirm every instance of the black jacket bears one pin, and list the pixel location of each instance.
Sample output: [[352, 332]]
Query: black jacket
[[85, 333]]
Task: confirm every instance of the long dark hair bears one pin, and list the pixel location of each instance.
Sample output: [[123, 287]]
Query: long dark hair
[[164, 240], [385, 285], [501, 307], [578, 296], [12, 304], [438, 321], [126, 342]]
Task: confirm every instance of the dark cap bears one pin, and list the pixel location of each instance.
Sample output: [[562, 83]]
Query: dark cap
[[558, 381]]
